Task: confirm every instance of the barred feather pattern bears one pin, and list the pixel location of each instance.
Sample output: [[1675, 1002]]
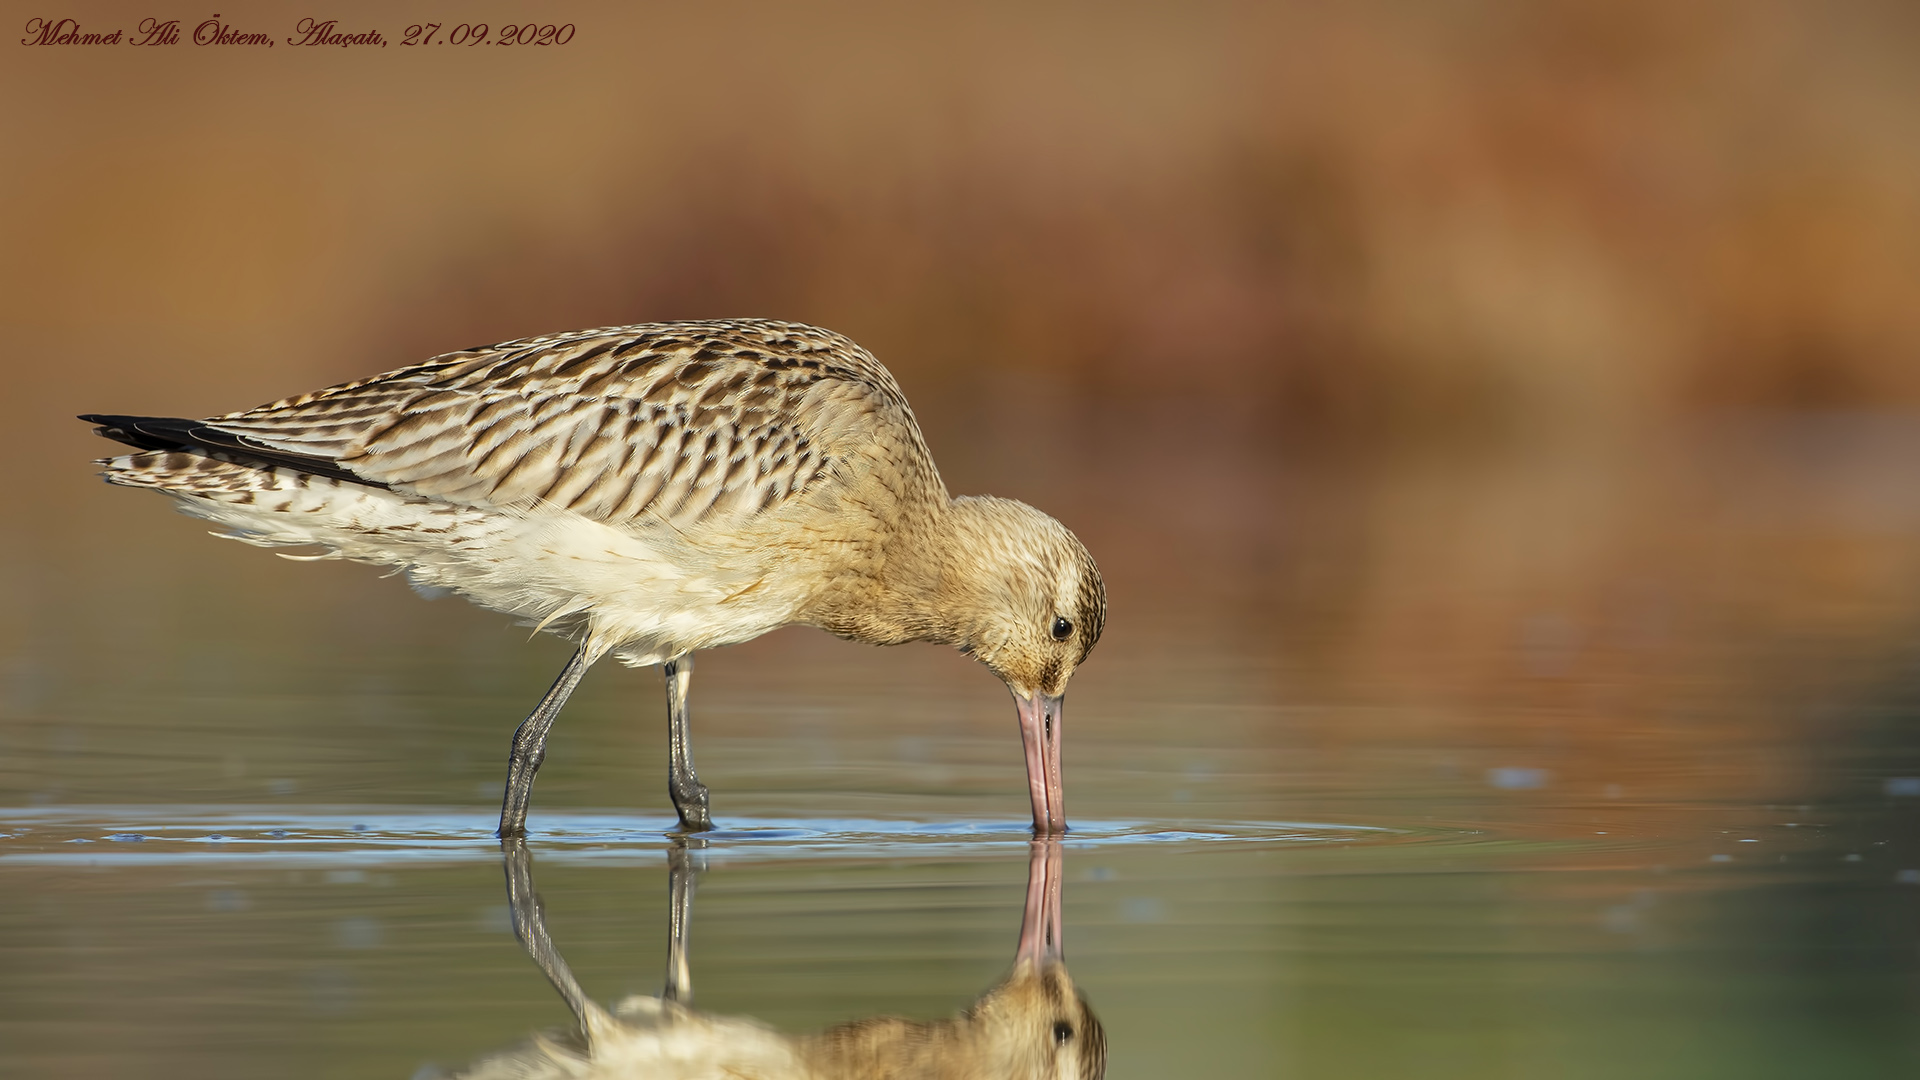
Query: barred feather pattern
[[621, 485], [664, 423], [647, 490]]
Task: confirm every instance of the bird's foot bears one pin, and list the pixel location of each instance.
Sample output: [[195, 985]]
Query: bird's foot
[[512, 826], [691, 804]]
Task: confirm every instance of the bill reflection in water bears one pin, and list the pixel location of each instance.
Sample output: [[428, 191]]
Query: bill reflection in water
[[1032, 1025]]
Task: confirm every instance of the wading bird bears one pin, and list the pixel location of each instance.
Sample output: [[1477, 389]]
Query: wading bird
[[649, 491], [1032, 1025]]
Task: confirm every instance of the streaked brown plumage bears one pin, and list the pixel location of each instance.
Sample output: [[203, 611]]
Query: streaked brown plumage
[[649, 491]]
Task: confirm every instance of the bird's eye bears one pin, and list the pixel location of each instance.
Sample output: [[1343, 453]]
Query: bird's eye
[[1062, 629], [1062, 1031]]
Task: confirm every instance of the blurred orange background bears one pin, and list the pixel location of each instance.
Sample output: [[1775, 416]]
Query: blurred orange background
[[1310, 218], [1528, 368]]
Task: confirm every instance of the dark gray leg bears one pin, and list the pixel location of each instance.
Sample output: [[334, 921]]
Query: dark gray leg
[[530, 746], [530, 924], [683, 867], [689, 794]]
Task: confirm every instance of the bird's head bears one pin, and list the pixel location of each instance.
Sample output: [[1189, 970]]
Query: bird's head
[[1037, 1026], [1030, 605], [1035, 1023]]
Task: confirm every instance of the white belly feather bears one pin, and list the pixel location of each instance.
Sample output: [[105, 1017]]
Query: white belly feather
[[646, 597]]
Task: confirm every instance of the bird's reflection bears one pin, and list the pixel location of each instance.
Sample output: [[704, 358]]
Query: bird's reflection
[[1033, 1024]]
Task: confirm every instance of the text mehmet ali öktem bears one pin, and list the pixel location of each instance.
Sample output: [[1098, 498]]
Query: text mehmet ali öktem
[[311, 32]]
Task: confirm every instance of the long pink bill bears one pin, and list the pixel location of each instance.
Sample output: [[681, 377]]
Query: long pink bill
[[1041, 927], [1040, 732]]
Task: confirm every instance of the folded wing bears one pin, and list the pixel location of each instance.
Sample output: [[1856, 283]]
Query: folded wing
[[677, 423]]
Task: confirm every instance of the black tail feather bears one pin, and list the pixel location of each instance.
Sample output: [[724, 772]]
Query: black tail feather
[[197, 436]]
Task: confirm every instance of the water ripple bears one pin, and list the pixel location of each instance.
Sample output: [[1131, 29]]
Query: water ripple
[[149, 835]]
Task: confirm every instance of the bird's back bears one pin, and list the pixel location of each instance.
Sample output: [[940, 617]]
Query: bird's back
[[637, 480]]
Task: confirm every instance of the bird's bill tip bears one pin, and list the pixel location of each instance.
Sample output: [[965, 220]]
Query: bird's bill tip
[[1041, 926], [1040, 734]]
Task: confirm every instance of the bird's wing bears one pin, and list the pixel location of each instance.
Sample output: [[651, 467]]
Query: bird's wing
[[682, 423]]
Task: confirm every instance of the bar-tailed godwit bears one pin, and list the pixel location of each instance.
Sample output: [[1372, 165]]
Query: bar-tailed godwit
[[1033, 1025], [649, 491]]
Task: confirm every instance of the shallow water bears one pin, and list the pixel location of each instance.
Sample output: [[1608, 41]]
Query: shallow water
[[378, 942], [1569, 768]]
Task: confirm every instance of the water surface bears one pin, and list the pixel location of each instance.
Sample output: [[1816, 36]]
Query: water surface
[[1600, 765]]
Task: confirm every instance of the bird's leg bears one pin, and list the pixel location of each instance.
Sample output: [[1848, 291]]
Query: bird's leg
[[683, 870], [530, 925], [530, 746], [689, 794]]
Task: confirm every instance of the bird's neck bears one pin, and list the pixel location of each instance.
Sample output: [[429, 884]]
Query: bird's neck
[[924, 582]]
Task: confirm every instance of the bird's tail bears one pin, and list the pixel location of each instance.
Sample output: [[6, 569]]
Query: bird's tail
[[187, 449]]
